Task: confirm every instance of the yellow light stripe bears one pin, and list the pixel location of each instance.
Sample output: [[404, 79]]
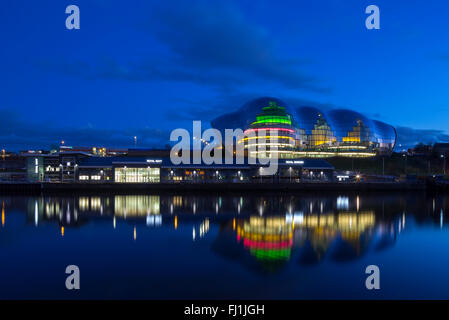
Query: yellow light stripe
[[270, 144]]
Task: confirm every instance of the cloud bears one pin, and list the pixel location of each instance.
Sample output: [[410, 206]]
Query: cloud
[[208, 43], [215, 37], [207, 109], [409, 137], [20, 135]]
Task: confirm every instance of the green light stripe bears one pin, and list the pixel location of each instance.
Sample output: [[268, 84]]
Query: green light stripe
[[271, 254], [283, 121]]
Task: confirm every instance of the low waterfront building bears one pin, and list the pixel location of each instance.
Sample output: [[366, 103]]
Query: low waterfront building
[[441, 148], [53, 167], [12, 167], [82, 168]]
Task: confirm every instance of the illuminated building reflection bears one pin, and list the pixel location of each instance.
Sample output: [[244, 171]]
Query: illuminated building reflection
[[136, 205], [274, 238], [266, 238], [3, 214], [261, 231]]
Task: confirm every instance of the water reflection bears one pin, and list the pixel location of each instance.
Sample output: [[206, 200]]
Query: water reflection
[[263, 233], [274, 240]]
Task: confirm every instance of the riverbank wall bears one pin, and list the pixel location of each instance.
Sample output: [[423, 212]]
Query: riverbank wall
[[114, 188]]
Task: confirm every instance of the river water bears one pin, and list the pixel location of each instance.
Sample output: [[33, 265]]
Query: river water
[[202, 246]]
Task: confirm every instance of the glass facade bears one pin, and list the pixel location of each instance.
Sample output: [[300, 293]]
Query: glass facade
[[307, 131], [272, 132], [133, 175]]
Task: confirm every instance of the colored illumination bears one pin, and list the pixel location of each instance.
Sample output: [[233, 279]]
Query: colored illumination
[[267, 137], [267, 245], [317, 134], [281, 254], [271, 121], [351, 139], [62, 231], [3, 215], [176, 222], [265, 237], [269, 144], [271, 151], [269, 129]]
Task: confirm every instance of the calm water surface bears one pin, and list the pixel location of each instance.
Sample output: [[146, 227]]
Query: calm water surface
[[302, 246]]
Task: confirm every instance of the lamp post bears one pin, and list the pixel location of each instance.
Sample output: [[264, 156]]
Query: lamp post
[[75, 172], [405, 167], [444, 164], [3, 157]]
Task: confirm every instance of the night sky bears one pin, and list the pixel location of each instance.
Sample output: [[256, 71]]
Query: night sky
[[144, 68]]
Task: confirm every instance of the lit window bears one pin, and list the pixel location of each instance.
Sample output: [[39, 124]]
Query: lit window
[[137, 175]]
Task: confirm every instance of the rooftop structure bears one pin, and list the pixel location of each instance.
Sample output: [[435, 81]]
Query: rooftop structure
[[307, 131]]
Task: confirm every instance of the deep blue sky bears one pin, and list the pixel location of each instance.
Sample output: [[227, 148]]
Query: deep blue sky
[[146, 67]]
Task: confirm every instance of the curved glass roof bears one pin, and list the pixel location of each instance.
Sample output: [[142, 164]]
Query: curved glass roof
[[319, 127]]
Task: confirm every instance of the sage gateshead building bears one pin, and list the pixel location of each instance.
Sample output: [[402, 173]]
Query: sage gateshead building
[[272, 128]]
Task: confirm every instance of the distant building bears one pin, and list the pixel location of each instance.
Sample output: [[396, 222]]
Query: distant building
[[307, 131], [441, 148], [12, 167], [96, 151]]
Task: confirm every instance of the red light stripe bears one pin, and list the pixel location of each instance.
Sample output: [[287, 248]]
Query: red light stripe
[[267, 245], [269, 129]]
